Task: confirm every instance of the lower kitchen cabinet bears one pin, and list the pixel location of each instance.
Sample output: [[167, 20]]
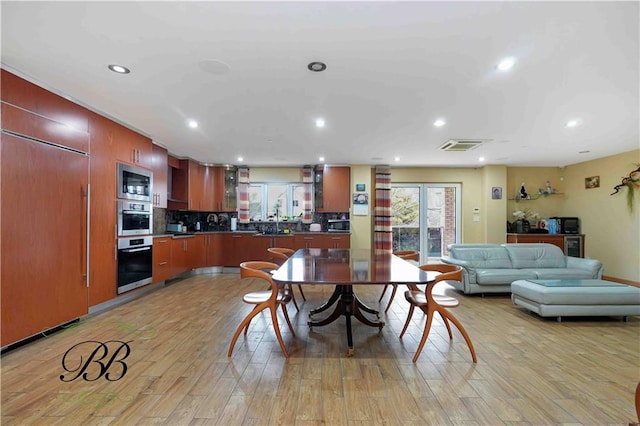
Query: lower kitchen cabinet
[[570, 244], [213, 249], [161, 259], [322, 241], [186, 253]]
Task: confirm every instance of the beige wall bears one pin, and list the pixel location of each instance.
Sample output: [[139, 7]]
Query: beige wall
[[535, 178], [612, 233], [275, 174]]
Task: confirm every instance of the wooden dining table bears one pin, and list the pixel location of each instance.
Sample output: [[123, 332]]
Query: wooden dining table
[[344, 268]]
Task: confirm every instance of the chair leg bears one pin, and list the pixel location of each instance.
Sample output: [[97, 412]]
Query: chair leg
[[276, 328], [286, 317], [406, 323], [425, 334], [384, 290], [444, 319], [463, 332], [246, 327], [393, 294], [244, 324], [302, 292]]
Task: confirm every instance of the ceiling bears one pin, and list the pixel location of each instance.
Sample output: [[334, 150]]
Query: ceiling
[[240, 70]]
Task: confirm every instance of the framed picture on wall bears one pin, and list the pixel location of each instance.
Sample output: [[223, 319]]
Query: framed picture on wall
[[592, 182], [496, 193]]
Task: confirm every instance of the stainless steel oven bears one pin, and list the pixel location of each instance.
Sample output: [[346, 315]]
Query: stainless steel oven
[[134, 218], [134, 183], [135, 262]]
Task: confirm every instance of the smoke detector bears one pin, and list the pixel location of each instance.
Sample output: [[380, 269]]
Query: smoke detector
[[461, 144]]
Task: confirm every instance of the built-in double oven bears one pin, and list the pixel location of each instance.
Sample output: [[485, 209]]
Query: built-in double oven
[[135, 227]]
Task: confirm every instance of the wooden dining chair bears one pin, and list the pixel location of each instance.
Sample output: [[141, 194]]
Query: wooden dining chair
[[280, 255], [406, 255], [277, 295], [430, 303]]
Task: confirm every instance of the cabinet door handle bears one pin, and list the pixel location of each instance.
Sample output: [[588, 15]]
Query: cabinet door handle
[[137, 155], [162, 263], [161, 241]]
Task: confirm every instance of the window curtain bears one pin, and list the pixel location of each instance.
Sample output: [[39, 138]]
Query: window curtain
[[382, 236], [243, 194], [307, 180]]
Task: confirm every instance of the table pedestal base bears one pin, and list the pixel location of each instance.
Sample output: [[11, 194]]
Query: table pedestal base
[[348, 305]]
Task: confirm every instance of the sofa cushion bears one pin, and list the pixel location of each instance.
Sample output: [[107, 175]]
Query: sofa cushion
[[486, 257], [560, 273], [535, 256], [503, 276]]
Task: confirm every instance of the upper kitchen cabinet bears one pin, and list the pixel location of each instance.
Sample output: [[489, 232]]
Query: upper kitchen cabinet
[[226, 189], [159, 166], [196, 185], [331, 188], [133, 148]]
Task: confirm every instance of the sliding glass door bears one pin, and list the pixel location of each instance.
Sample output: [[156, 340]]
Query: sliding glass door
[[425, 217]]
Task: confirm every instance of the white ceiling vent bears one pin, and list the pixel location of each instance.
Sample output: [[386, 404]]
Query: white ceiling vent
[[461, 144]]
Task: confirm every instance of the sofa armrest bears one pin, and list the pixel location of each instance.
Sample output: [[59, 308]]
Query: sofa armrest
[[468, 271], [594, 266]]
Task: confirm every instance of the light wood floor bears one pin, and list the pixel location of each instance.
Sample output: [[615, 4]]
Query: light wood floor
[[529, 371]]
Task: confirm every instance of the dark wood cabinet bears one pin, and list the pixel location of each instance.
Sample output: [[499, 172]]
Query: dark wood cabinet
[[159, 166], [213, 249], [321, 241], [43, 281], [571, 245], [161, 259], [332, 188], [133, 148], [186, 253]]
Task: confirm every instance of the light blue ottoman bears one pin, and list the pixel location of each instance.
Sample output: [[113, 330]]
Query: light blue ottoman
[[558, 298]]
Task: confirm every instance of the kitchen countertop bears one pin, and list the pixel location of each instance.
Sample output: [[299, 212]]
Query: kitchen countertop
[[254, 233]]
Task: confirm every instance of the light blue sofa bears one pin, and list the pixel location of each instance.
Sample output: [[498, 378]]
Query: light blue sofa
[[491, 268]]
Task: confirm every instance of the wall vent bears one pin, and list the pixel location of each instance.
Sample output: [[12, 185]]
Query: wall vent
[[461, 144]]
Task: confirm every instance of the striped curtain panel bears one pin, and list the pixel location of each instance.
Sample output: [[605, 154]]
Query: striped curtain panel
[[307, 180], [243, 194], [382, 236]]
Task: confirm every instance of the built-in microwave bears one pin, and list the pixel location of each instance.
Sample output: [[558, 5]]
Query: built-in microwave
[[134, 218], [134, 183]]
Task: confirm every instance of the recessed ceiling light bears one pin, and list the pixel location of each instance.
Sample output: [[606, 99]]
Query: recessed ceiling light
[[397, 159], [193, 124], [119, 69], [240, 159], [320, 122], [439, 122], [506, 64], [574, 123], [317, 66], [481, 159], [321, 159]]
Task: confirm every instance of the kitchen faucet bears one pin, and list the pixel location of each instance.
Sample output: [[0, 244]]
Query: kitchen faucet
[[277, 221]]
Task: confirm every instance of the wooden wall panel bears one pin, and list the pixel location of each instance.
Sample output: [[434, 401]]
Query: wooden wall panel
[[27, 123]]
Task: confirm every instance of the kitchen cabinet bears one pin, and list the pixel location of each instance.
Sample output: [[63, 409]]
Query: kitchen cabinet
[[213, 249], [226, 187], [332, 188], [195, 185], [209, 176], [237, 248], [161, 259], [570, 244], [186, 253], [322, 241], [43, 267], [133, 148], [260, 244], [159, 166]]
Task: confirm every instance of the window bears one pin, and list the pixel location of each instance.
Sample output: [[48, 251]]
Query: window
[[265, 198]]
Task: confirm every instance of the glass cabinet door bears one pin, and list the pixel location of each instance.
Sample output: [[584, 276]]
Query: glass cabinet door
[[230, 188]]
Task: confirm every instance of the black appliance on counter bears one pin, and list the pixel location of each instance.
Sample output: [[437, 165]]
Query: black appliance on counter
[[568, 225], [135, 262]]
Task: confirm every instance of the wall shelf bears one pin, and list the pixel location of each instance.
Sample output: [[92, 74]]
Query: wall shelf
[[535, 196]]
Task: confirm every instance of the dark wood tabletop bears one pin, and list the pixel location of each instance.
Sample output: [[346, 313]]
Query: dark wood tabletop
[[349, 266], [345, 268]]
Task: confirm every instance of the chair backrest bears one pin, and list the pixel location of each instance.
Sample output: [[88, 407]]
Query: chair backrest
[[448, 272], [280, 254], [408, 255], [257, 269]]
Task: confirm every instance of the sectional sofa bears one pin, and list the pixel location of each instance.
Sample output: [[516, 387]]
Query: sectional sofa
[[491, 268]]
